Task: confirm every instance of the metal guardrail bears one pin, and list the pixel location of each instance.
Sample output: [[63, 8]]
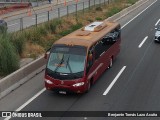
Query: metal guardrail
[[52, 13]]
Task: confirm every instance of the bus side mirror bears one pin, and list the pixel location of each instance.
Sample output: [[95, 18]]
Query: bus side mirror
[[47, 54], [90, 57], [90, 62]]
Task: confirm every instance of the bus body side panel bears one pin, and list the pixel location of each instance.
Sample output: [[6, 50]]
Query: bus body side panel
[[103, 62], [116, 48]]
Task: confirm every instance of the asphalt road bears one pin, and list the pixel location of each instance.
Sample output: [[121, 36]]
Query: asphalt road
[[137, 69]]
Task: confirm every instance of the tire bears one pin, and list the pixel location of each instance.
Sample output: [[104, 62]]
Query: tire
[[110, 63], [88, 87], [155, 41]]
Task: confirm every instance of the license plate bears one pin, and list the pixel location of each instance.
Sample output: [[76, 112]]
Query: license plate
[[62, 92]]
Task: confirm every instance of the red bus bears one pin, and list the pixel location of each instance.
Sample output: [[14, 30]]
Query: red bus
[[77, 60]]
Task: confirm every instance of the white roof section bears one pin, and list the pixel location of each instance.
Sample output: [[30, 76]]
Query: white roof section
[[92, 26]]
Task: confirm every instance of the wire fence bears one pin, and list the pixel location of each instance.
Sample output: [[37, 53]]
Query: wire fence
[[35, 19]]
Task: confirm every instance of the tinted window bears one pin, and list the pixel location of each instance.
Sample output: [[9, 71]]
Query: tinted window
[[90, 58], [106, 42]]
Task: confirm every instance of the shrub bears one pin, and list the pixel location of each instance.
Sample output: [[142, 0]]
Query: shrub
[[65, 32], [131, 1], [75, 27], [42, 30], [9, 60], [3, 30], [18, 40], [113, 11], [33, 50], [98, 18], [98, 8], [35, 36], [53, 25], [72, 28]]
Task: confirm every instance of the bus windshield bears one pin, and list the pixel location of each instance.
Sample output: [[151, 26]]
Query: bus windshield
[[67, 60]]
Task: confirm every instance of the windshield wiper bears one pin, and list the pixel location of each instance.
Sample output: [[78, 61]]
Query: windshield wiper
[[67, 64], [59, 64]]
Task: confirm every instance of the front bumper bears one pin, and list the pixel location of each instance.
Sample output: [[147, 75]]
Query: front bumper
[[69, 88]]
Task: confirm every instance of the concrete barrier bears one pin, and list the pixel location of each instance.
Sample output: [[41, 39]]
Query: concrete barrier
[[25, 73], [20, 76]]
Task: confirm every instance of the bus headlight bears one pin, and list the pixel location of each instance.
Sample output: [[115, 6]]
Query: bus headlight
[[48, 81], [78, 84]]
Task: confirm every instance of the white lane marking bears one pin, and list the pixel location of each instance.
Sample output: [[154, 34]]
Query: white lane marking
[[30, 100], [114, 81], [157, 22], [26, 103], [13, 24], [85, 118], [40, 16], [138, 14], [140, 45]]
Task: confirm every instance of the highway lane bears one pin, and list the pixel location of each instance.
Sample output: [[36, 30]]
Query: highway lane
[[141, 77], [136, 89]]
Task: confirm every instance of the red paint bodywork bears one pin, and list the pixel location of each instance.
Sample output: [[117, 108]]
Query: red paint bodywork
[[98, 67]]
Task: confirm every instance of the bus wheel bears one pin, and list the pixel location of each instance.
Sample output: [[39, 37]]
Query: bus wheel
[[88, 87], [111, 63]]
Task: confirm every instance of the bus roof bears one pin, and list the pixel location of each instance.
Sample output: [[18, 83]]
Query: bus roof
[[88, 35]]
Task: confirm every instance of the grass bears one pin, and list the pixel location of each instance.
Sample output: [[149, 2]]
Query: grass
[[113, 11], [72, 28], [131, 1]]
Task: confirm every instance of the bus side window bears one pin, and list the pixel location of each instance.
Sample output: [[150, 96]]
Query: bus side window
[[98, 49], [90, 59], [107, 40], [111, 37], [114, 36]]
